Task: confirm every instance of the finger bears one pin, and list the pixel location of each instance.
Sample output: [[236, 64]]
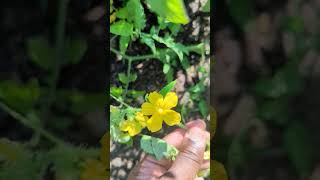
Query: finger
[[150, 167], [205, 165], [189, 161], [196, 123]]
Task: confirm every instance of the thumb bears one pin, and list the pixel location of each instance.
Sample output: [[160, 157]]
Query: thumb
[[190, 158]]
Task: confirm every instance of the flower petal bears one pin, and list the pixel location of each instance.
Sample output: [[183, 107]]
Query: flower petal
[[124, 126], [170, 101], [154, 123], [154, 97], [147, 109], [141, 119], [171, 117], [135, 129]]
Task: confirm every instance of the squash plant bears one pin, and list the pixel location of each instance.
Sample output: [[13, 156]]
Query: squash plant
[[155, 24]]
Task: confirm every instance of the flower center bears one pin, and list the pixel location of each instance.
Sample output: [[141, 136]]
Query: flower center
[[160, 110]]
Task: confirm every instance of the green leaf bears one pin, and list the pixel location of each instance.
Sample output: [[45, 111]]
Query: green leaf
[[136, 94], [158, 148], [241, 11], [275, 110], [166, 68], [75, 50], [124, 138], [116, 115], [199, 48], [122, 13], [116, 91], [167, 88], [203, 106], [169, 75], [79, 102], [237, 154], [297, 143], [172, 10], [294, 24], [145, 38], [206, 7], [287, 81], [121, 28], [40, 52], [178, 48], [21, 97], [124, 79], [136, 14], [133, 77], [146, 144], [124, 42], [185, 63], [174, 28]]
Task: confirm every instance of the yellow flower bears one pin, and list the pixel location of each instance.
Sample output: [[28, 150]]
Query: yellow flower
[[159, 109], [94, 170], [131, 126], [104, 148], [141, 119]]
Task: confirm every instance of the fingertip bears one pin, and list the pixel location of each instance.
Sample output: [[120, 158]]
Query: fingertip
[[196, 123]]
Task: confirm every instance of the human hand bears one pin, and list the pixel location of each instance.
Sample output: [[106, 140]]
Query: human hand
[[191, 144]]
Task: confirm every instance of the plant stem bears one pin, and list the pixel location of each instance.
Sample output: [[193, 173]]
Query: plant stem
[[133, 58], [120, 101], [27, 123], [59, 55], [128, 75]]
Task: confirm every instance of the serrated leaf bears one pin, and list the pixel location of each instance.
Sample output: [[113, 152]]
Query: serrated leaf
[[296, 141], [178, 48], [172, 10], [136, 14], [167, 88], [124, 42], [75, 50], [40, 52], [121, 28], [148, 41]]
